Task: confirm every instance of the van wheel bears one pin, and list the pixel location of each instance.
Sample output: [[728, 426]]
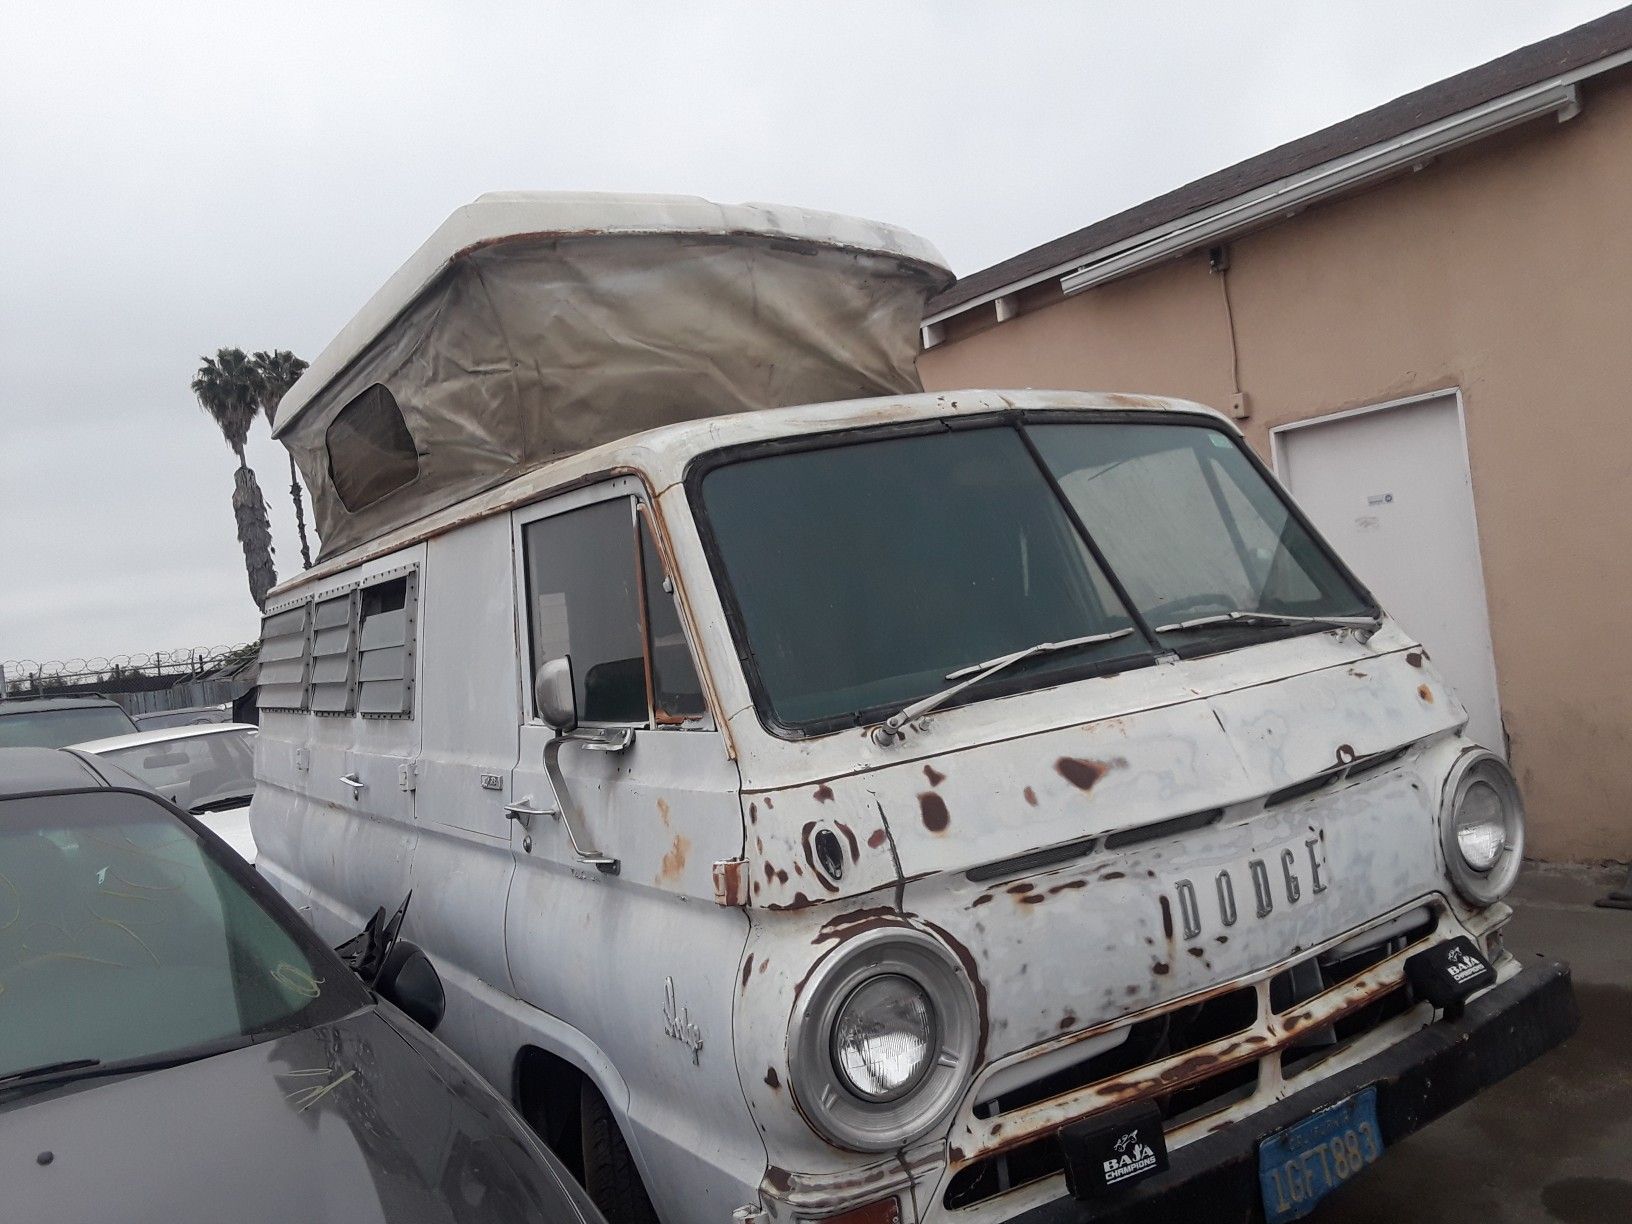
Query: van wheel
[[610, 1175]]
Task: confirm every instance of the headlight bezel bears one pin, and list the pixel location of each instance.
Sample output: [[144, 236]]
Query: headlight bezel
[[1480, 767], [824, 1095]]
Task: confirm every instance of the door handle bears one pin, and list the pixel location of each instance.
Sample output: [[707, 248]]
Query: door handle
[[353, 781], [522, 814]]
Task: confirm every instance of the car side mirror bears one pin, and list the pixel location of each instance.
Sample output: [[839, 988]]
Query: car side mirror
[[553, 694], [409, 980]]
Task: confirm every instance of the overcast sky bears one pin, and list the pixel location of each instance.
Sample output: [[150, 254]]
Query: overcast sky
[[175, 177]]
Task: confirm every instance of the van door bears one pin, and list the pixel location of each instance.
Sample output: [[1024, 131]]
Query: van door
[[365, 746], [633, 953]]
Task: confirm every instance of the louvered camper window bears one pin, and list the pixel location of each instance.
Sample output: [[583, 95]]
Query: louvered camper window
[[334, 655], [385, 672], [285, 659]]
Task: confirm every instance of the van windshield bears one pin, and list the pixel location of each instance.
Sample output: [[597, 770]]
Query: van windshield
[[860, 575]]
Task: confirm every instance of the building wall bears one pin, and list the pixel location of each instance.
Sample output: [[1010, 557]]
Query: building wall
[[1504, 269]]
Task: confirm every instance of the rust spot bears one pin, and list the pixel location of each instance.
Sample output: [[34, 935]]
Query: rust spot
[[1167, 917], [798, 870], [1033, 899], [823, 793], [933, 809], [1069, 884], [1114, 875], [1414, 658], [799, 901], [1025, 887], [1426, 693], [875, 839], [769, 803], [674, 862], [747, 971], [1198, 953], [850, 837], [1345, 754], [771, 1080], [1160, 968], [1223, 939], [663, 810], [1031, 796], [1067, 1021], [753, 813], [778, 1179], [935, 776], [1131, 991], [1081, 773], [980, 900], [764, 964]]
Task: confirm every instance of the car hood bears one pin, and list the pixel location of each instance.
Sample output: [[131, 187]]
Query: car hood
[[363, 1121]]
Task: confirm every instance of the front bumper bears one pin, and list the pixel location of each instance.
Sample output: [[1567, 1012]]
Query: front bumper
[[1424, 1076]]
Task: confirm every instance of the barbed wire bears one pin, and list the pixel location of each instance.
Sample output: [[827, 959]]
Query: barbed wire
[[186, 661]]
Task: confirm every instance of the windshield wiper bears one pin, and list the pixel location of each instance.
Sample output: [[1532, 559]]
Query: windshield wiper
[[1370, 624], [50, 1068], [891, 728]]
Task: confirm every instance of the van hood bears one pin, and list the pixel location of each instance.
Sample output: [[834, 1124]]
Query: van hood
[[1204, 746]]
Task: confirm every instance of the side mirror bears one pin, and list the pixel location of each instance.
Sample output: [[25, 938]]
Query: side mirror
[[408, 979], [553, 694]]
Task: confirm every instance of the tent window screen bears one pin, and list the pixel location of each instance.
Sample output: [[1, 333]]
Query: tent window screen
[[583, 586], [334, 657], [371, 452], [385, 666], [285, 659]]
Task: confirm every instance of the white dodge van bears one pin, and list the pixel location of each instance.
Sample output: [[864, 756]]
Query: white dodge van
[[825, 800]]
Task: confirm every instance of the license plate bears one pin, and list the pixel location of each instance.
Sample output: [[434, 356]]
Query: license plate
[[1301, 1165]]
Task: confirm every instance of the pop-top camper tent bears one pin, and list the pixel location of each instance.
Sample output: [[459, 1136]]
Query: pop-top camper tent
[[532, 326]]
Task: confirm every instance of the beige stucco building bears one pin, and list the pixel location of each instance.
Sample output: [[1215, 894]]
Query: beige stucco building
[[1463, 254]]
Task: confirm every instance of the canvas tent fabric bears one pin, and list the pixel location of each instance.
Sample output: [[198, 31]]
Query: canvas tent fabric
[[522, 340]]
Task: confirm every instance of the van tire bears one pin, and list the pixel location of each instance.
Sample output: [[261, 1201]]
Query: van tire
[[610, 1175]]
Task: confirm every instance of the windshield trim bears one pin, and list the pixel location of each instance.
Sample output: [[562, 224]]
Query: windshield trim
[[1023, 679]]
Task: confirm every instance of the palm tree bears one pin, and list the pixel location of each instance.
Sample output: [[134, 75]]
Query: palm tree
[[229, 389], [278, 371]]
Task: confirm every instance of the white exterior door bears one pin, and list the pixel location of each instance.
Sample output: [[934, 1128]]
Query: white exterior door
[[1390, 488]]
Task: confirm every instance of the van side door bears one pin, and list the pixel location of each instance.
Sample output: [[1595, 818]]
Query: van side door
[[633, 954]]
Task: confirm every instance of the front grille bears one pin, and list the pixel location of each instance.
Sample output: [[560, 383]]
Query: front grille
[[1198, 1059]]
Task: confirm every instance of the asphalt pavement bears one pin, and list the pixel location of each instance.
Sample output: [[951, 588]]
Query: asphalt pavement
[[1554, 1142]]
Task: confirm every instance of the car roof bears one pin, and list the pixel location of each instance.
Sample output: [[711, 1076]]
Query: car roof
[[25, 771], [32, 705], [137, 739]]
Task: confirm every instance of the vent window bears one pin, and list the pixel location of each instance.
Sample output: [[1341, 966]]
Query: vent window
[[385, 671], [371, 452], [334, 657], [285, 659]]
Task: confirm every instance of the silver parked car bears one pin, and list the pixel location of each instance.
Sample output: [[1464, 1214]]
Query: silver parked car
[[208, 770]]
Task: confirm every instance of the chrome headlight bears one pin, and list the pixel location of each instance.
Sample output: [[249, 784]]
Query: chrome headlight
[[1482, 827], [883, 1041]]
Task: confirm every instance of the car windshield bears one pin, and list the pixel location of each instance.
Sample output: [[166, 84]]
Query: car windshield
[[23, 728], [1192, 529], [197, 772], [122, 937], [860, 575]]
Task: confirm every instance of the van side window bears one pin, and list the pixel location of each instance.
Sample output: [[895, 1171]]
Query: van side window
[[385, 667], [370, 451], [677, 694], [584, 600], [333, 659], [285, 659]]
